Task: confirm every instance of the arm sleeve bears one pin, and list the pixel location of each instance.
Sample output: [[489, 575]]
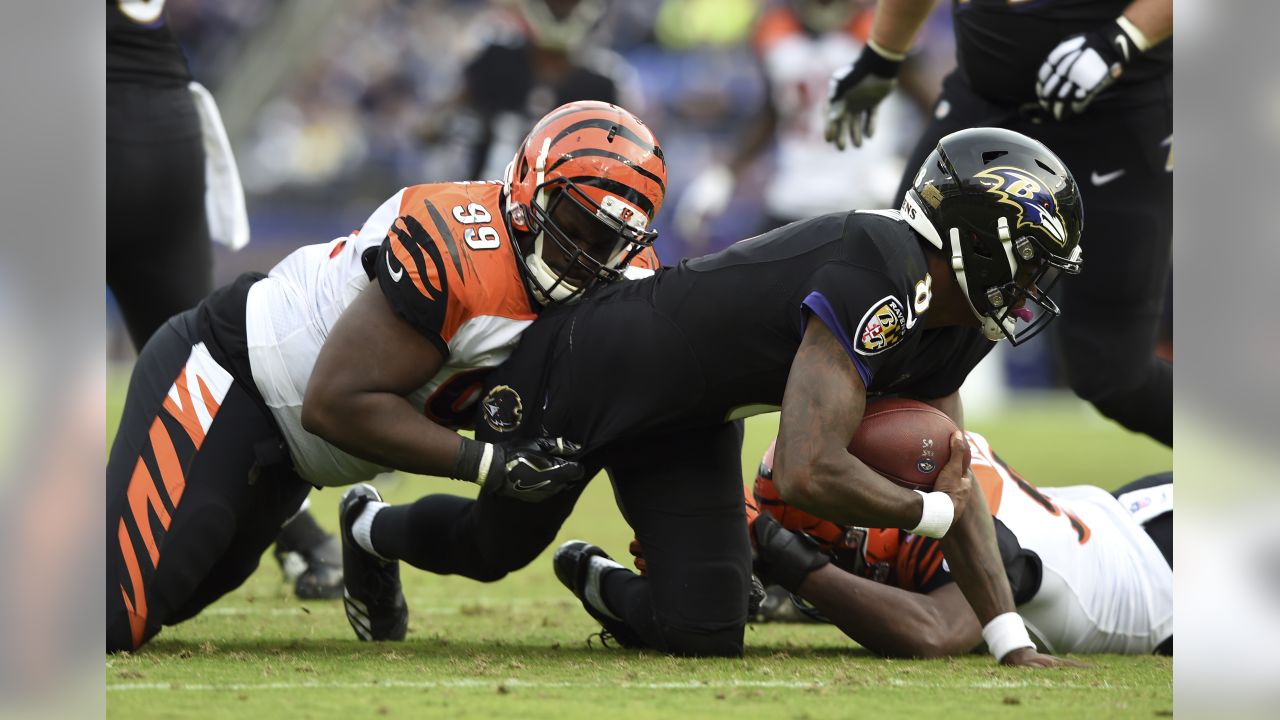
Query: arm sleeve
[[412, 275], [862, 308]]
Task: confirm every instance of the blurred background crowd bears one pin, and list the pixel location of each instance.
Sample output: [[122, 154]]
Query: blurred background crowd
[[333, 105]]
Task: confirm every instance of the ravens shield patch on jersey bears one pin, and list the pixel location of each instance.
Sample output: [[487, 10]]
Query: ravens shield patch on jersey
[[882, 327], [502, 408]]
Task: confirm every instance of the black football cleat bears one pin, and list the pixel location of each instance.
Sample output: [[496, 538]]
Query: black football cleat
[[372, 596], [322, 580], [573, 566]]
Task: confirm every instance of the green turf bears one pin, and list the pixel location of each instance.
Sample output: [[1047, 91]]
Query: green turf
[[518, 648]]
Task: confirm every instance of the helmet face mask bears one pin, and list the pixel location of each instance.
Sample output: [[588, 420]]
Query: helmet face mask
[[1008, 213], [581, 193], [585, 242]]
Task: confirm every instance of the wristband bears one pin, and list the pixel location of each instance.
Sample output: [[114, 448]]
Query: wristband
[[475, 461], [936, 513], [884, 52], [1006, 633], [1138, 38]]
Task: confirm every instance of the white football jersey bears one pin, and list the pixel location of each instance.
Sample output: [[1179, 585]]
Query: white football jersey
[[289, 315], [812, 176], [1106, 586]]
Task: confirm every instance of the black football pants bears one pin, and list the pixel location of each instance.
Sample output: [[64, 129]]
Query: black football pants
[[198, 485], [1111, 312], [159, 261], [681, 493]]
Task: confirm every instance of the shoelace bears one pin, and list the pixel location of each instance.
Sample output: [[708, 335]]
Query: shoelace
[[607, 640]]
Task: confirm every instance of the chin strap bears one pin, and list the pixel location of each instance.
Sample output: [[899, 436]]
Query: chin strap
[[990, 328]]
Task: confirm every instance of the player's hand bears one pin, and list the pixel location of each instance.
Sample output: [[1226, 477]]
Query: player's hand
[[534, 470], [637, 552], [1028, 657], [853, 95], [784, 557], [1081, 67], [956, 479]]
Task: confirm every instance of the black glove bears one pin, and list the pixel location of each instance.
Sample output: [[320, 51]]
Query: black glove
[[854, 93], [1081, 67], [784, 557], [528, 470]]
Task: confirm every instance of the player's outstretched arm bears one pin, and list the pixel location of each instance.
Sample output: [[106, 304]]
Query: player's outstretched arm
[[974, 559], [821, 409], [891, 621]]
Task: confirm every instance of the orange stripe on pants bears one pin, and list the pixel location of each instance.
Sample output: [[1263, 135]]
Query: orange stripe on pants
[[137, 609]]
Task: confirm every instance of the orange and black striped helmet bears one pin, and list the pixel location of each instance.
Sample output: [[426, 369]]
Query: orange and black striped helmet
[[583, 191]]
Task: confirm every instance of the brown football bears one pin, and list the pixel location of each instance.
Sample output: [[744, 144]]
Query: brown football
[[904, 440]]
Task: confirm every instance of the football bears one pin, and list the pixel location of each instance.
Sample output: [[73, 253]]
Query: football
[[906, 441]]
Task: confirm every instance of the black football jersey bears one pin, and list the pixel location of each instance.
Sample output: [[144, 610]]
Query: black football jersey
[[140, 46], [1001, 44], [713, 338]]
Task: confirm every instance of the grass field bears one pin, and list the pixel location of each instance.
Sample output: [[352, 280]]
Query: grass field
[[518, 648]]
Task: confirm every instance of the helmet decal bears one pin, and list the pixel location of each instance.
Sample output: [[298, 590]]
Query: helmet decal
[[1035, 202]]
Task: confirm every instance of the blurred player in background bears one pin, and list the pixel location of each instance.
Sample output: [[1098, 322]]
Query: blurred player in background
[[172, 185], [798, 44], [1093, 80], [1091, 571], [216, 450], [534, 55]]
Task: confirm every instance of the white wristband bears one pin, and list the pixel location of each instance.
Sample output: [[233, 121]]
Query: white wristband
[[1006, 633], [936, 513], [1135, 34]]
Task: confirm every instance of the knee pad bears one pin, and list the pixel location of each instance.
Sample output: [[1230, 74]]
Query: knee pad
[[708, 616]]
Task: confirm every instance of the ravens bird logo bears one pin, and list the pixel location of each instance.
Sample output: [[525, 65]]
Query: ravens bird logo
[[1036, 205]]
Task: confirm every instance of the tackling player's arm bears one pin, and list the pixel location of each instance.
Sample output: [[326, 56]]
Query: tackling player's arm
[[891, 621], [356, 398], [389, 343]]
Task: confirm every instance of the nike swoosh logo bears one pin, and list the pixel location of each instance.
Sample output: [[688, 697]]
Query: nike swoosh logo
[[397, 274], [519, 485], [1100, 180]]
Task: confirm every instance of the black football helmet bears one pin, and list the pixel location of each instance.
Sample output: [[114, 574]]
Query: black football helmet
[[1010, 215]]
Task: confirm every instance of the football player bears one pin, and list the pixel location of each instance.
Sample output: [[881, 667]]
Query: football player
[[798, 44], [1093, 80], [646, 378], [1091, 571], [387, 333]]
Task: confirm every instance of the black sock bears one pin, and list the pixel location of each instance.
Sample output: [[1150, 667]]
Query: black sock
[[431, 535], [300, 534]]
